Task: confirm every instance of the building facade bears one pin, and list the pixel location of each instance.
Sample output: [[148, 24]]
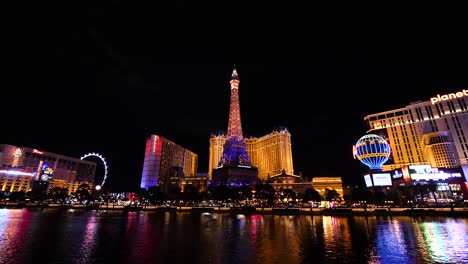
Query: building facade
[[20, 166], [431, 132], [284, 181], [15, 180], [198, 181], [429, 144], [321, 184], [166, 163], [271, 154]]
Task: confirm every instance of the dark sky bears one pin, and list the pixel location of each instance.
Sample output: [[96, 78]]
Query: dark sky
[[92, 78]]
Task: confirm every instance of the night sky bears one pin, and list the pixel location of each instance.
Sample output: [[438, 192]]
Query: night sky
[[92, 78]]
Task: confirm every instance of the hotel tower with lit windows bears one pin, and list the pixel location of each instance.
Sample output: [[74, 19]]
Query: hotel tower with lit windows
[[166, 164], [428, 140], [271, 153], [21, 167]]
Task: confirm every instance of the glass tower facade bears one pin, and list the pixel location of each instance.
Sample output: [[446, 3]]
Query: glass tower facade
[[163, 159]]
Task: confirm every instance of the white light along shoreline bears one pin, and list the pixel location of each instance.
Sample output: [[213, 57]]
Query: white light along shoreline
[[430, 211]]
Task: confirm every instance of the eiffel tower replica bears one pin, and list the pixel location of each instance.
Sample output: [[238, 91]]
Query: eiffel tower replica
[[234, 167]]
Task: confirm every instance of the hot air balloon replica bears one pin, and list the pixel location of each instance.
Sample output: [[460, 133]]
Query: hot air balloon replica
[[373, 151]]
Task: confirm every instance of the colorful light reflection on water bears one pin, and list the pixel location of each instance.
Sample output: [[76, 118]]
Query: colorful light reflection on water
[[80, 236]]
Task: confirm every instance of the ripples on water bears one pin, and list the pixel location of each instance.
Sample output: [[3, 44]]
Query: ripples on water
[[80, 236]]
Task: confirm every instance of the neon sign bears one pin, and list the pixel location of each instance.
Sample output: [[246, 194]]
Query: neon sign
[[155, 142], [445, 97], [426, 172], [18, 152], [13, 172], [49, 170], [45, 165], [37, 151], [368, 180], [382, 179]]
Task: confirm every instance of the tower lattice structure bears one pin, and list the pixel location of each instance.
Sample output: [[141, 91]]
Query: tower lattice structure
[[234, 150]]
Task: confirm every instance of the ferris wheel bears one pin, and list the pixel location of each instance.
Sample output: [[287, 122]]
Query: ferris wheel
[[92, 154]]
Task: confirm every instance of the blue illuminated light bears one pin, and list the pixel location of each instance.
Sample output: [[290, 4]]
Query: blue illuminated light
[[373, 151], [234, 153], [45, 165]]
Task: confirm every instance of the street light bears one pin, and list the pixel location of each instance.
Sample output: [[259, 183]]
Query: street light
[[98, 188]]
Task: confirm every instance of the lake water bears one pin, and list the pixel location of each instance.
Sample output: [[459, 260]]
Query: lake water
[[89, 236]]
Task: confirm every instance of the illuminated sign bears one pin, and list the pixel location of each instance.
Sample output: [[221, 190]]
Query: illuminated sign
[[49, 171], [397, 174], [377, 125], [45, 177], [17, 153], [14, 172], [406, 174], [39, 169], [440, 98], [368, 180], [426, 172], [382, 179], [155, 141], [44, 165], [47, 174], [37, 151], [157, 144]]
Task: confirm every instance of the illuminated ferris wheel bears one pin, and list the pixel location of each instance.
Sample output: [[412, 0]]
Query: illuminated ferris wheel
[[92, 154]]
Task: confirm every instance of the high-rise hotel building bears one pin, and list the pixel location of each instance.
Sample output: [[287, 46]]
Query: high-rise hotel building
[[166, 163], [271, 153], [21, 166], [430, 132]]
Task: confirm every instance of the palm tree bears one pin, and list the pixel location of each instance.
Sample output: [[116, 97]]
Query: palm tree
[[332, 195], [142, 195], [83, 192], [58, 193], [219, 193], [419, 191], [379, 197], [407, 193], [288, 193], [154, 194], [190, 192], [265, 193], [17, 196], [311, 195], [432, 186], [360, 194]]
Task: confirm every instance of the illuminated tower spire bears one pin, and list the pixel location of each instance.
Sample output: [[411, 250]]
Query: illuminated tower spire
[[234, 126], [234, 152]]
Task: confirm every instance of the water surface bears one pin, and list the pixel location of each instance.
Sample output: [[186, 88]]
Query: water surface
[[80, 236]]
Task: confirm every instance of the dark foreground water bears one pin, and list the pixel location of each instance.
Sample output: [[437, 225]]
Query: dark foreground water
[[80, 236]]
